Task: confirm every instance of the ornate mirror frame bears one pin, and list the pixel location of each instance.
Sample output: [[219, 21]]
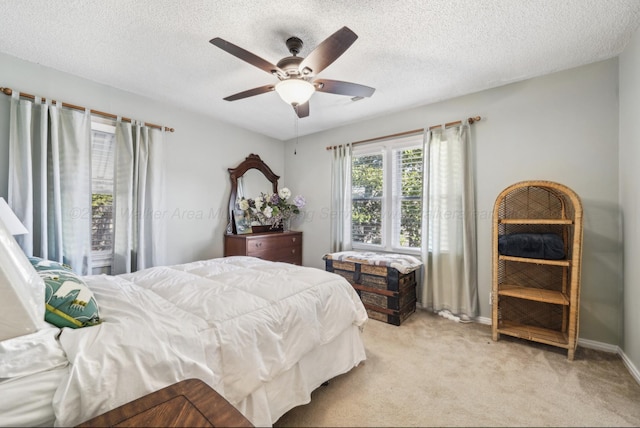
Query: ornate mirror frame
[[252, 161]]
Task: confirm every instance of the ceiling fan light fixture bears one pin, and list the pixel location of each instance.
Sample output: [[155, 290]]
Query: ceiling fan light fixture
[[295, 91], [295, 73]]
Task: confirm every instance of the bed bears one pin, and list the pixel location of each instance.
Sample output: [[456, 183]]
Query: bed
[[262, 334]]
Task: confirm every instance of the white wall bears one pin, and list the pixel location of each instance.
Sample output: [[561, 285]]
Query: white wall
[[197, 154], [561, 127], [630, 194]]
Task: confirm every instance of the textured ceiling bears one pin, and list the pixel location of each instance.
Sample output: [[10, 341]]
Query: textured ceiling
[[413, 52]]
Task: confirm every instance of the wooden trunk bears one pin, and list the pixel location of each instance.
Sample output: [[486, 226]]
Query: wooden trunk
[[387, 294]]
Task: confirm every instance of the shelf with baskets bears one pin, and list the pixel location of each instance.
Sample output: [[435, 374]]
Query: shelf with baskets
[[536, 295]]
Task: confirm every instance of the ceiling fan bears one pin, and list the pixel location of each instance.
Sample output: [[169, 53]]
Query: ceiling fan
[[296, 74]]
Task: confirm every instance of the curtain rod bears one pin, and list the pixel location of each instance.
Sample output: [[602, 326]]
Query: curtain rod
[[402, 134], [9, 91]]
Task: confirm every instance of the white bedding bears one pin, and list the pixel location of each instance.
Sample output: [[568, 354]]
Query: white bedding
[[245, 326], [31, 368], [26, 400]]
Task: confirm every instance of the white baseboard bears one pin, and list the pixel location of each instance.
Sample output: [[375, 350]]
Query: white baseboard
[[606, 347], [483, 320], [630, 366], [599, 346]]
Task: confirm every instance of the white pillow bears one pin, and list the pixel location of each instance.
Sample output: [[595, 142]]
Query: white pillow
[[21, 290]]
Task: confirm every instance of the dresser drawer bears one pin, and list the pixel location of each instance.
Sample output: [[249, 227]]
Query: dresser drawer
[[279, 254], [276, 246], [294, 260], [268, 243]]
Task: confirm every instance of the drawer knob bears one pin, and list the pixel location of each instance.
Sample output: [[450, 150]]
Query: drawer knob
[[293, 239], [293, 251], [258, 244]]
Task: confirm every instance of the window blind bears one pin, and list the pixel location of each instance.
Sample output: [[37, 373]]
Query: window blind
[[102, 183]]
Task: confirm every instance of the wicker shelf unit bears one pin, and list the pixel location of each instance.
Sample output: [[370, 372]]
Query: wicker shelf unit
[[534, 298]]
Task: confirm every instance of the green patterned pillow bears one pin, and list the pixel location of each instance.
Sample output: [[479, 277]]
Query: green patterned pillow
[[69, 302], [43, 264]]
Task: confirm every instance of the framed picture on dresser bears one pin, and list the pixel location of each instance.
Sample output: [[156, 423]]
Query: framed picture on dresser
[[243, 225]]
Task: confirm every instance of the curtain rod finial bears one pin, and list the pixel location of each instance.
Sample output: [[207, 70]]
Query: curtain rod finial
[[6, 91]]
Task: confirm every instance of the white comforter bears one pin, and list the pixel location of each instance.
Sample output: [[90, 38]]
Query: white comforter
[[236, 323]]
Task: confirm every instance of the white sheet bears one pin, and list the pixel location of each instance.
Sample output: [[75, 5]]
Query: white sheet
[[26, 400], [31, 353], [31, 368], [238, 323]]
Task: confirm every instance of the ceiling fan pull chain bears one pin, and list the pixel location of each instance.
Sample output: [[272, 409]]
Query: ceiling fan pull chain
[[295, 150]]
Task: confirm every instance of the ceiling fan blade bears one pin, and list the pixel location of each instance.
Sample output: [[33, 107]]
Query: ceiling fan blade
[[250, 93], [247, 56], [343, 88], [327, 51], [302, 110]]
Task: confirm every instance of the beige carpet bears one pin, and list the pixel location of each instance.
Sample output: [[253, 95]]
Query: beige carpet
[[435, 372]]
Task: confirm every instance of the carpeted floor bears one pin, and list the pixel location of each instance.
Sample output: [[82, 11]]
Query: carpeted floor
[[435, 372]]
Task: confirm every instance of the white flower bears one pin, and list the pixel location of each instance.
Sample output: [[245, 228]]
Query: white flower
[[284, 193], [267, 212], [244, 204], [258, 202]]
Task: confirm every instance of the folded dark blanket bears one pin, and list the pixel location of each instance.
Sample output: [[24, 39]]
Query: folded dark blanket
[[533, 245]]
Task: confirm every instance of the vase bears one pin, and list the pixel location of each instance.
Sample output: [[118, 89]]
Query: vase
[[286, 224]]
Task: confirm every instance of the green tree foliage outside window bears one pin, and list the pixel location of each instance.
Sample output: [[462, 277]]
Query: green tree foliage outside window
[[102, 225], [366, 193], [371, 207]]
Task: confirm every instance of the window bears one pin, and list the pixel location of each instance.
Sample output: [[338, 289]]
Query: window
[[367, 198], [102, 184], [386, 195]]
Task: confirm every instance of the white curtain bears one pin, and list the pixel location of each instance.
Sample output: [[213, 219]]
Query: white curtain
[[50, 180], [341, 198], [449, 228], [138, 206]]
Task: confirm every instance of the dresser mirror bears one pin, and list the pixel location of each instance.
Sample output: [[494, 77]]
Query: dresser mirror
[[252, 183], [251, 177]]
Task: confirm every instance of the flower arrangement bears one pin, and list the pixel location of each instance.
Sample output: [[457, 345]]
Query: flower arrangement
[[272, 208]]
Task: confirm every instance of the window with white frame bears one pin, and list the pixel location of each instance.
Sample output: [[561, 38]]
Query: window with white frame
[[386, 195], [102, 185]]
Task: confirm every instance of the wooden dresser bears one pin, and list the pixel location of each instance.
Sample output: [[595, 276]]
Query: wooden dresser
[[274, 246]]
